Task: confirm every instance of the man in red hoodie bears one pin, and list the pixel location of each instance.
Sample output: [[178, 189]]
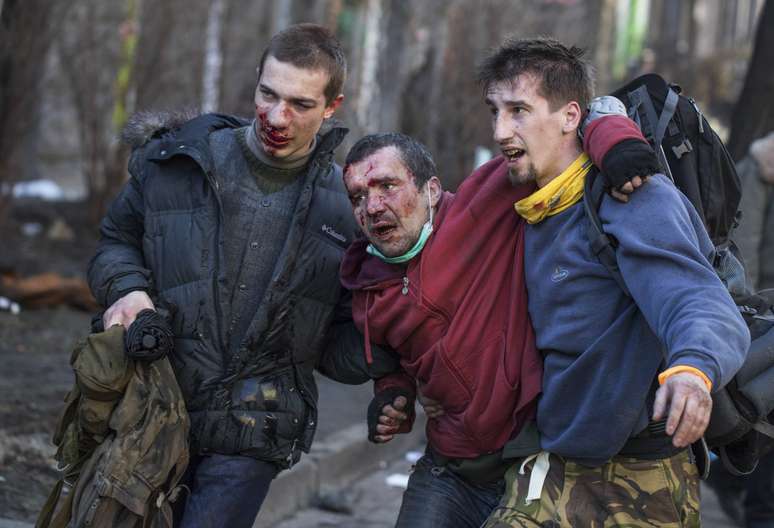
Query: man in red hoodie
[[439, 278]]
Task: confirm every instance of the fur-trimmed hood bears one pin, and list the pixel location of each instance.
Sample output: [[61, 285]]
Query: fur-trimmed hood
[[143, 126]]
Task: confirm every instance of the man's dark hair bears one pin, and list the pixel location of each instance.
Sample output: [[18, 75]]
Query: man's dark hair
[[563, 73], [312, 47], [413, 154]]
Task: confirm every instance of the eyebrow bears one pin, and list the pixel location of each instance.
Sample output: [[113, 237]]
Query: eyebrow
[[517, 102], [301, 100]]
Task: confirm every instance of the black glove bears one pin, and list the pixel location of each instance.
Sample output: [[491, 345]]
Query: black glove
[[385, 397], [627, 159], [149, 337]]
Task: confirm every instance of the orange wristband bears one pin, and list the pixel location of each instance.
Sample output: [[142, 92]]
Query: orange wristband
[[684, 368]]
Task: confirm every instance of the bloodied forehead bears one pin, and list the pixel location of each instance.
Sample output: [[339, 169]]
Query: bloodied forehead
[[384, 165]]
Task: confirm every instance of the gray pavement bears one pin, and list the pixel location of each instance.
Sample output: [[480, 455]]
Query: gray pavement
[[340, 406]]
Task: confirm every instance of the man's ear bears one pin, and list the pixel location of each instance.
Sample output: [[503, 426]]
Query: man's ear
[[331, 108], [572, 114], [435, 190]]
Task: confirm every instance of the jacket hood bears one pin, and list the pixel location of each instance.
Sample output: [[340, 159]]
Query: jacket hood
[[331, 135], [143, 126], [360, 270]]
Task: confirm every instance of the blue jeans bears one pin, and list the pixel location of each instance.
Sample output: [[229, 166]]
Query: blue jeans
[[436, 498], [226, 490]]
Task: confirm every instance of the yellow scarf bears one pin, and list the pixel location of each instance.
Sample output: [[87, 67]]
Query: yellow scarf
[[562, 192]]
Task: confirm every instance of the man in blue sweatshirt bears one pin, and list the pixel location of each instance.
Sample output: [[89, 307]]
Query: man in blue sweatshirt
[[627, 380]]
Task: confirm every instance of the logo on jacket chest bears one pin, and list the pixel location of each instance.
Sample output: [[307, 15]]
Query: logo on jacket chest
[[559, 274], [328, 230]]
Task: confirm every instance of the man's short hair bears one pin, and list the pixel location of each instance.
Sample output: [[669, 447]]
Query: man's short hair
[[312, 47], [413, 154], [563, 73]]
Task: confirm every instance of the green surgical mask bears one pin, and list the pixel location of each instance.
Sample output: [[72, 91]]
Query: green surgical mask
[[427, 230]]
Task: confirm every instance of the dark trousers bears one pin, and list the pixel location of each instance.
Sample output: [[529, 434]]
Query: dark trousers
[[748, 499], [759, 502], [225, 491], [437, 498]]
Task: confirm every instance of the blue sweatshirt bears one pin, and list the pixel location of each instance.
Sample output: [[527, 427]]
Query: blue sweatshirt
[[603, 350]]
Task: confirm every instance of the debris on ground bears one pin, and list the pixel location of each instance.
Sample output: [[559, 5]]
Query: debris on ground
[[7, 305], [47, 290], [397, 480]]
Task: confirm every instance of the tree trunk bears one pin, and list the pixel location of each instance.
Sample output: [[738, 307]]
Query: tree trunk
[[27, 28], [368, 93], [754, 112], [124, 88], [213, 57]]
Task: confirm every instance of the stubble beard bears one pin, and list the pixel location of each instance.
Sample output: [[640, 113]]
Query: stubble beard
[[519, 177]]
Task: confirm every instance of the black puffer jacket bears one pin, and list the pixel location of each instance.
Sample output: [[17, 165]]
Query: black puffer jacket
[[164, 234]]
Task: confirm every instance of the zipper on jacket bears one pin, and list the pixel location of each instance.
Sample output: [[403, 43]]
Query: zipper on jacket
[[290, 455], [196, 157], [698, 112], [216, 267], [425, 302]]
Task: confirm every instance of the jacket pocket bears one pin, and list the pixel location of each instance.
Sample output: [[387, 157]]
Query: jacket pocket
[[488, 420], [174, 245], [441, 379]]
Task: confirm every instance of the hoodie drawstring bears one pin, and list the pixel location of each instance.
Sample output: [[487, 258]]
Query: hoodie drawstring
[[368, 354]]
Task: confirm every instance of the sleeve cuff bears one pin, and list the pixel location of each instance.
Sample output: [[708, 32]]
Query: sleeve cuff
[[127, 283], [684, 368], [604, 133]]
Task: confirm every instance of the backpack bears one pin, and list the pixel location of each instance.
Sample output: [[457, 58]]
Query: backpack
[[692, 155]]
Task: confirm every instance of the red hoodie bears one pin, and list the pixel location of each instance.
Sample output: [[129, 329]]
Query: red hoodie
[[461, 327]]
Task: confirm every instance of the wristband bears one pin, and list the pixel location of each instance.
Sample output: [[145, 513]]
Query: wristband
[[684, 368]]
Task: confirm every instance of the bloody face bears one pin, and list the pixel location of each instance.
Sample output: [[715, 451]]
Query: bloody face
[[387, 204], [530, 134], [290, 107]]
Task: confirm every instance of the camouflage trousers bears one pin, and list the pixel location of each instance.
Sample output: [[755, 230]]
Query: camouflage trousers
[[624, 492]]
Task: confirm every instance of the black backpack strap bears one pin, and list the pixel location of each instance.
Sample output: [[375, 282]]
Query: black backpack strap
[[670, 106], [602, 244], [654, 126], [764, 427]]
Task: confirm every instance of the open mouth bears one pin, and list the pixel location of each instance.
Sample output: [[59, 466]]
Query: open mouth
[[382, 230], [513, 154], [274, 140]]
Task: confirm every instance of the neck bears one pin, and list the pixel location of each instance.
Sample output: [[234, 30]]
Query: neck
[[564, 160]]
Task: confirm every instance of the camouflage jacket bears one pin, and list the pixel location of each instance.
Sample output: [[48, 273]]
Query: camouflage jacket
[[122, 439]]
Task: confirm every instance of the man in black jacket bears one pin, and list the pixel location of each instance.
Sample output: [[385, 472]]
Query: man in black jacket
[[238, 228]]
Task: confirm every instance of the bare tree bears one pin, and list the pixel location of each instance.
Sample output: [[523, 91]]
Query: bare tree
[[754, 112], [27, 28], [213, 59], [97, 57]]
